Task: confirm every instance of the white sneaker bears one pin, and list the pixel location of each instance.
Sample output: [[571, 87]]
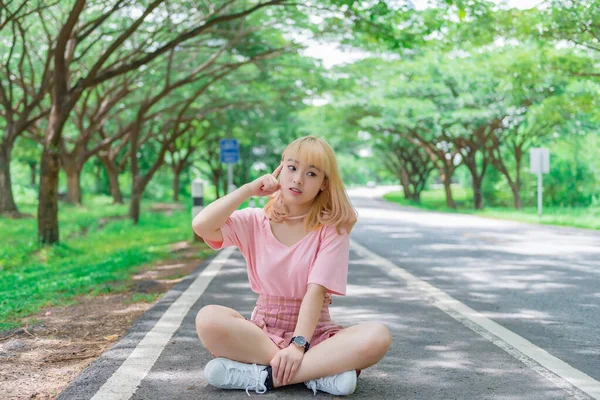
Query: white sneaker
[[227, 374], [340, 385]]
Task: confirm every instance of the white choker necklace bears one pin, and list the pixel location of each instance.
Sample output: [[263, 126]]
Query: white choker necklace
[[298, 217]]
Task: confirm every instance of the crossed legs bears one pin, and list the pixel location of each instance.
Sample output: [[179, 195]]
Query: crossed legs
[[226, 333]]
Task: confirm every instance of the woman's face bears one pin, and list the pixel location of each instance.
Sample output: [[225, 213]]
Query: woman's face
[[300, 183]]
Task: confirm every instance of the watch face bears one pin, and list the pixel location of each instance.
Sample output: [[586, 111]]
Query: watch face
[[300, 341]]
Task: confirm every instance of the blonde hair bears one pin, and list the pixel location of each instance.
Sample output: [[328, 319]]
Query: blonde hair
[[331, 206]]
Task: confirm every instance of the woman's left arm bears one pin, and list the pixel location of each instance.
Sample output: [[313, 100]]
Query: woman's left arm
[[286, 361], [310, 310]]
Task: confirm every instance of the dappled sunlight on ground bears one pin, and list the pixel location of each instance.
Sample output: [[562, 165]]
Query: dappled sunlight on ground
[[424, 361], [538, 281]]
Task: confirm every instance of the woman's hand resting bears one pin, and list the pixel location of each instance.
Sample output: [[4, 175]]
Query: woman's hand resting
[[285, 364]]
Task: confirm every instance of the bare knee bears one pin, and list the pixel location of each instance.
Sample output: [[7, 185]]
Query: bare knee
[[379, 339], [385, 338], [210, 321]]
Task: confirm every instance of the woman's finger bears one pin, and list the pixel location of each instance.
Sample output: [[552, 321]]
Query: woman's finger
[[273, 187], [278, 170], [293, 371], [266, 185], [270, 182], [288, 372], [275, 365], [281, 370]]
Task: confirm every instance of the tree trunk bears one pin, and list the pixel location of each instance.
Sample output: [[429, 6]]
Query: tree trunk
[[514, 187], [403, 177], [115, 189], [73, 185], [113, 181], [7, 200], [449, 199], [417, 196], [32, 174], [517, 185], [140, 182], [135, 203], [176, 176], [48, 197], [477, 195], [49, 169], [477, 175], [405, 181], [217, 187]]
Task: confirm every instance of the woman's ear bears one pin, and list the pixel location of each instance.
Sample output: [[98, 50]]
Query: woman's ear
[[324, 185]]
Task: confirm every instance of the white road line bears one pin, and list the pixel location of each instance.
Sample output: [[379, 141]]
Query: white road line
[[576, 383], [124, 382]]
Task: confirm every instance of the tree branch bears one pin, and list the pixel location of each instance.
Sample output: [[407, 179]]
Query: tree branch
[[92, 25], [87, 81], [108, 74], [60, 66]]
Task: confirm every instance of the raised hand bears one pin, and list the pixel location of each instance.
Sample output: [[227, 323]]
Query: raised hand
[[266, 184]]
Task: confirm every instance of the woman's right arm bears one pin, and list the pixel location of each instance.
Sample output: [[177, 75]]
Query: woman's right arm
[[207, 224]]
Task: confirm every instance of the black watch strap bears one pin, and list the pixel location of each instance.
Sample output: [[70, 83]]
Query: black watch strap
[[306, 343]]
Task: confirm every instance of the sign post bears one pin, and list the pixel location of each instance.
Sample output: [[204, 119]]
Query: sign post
[[539, 162], [230, 154], [197, 201]]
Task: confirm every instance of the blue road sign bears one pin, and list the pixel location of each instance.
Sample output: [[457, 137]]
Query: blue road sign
[[230, 151]]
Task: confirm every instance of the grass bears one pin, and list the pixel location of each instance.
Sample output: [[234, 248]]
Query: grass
[[144, 297], [435, 200], [89, 260], [588, 218]]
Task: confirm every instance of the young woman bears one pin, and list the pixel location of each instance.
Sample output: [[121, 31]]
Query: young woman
[[297, 252]]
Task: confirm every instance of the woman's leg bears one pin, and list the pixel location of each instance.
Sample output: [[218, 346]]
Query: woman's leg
[[226, 333], [356, 347]]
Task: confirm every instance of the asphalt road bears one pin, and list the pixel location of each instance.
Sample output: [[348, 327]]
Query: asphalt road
[[478, 309]]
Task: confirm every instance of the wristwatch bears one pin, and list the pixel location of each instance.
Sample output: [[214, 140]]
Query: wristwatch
[[300, 341]]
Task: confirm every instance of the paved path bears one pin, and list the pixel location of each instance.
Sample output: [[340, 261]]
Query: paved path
[[478, 309]]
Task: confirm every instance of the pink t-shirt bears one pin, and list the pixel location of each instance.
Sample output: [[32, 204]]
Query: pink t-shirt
[[278, 270]]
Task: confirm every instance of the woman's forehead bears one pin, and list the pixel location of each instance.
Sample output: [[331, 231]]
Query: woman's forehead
[[303, 163]]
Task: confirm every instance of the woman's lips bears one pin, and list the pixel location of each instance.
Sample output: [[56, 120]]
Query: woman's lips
[[295, 192]]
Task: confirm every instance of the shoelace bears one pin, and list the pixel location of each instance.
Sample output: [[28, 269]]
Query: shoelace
[[237, 377], [328, 381], [312, 385]]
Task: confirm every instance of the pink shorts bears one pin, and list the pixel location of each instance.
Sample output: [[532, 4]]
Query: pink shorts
[[277, 317]]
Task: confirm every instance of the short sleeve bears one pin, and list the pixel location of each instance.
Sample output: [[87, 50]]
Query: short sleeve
[[330, 268], [237, 229]]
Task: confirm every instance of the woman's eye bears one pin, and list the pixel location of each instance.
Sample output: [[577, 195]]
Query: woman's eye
[[312, 174], [291, 167]]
